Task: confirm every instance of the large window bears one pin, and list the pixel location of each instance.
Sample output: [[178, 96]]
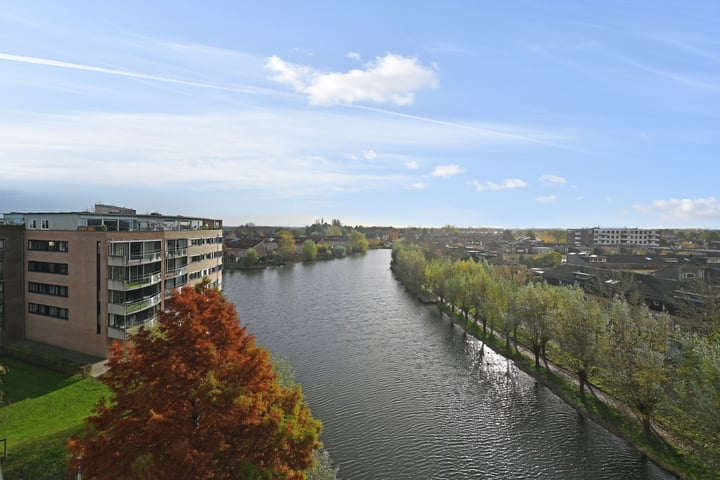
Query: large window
[[48, 310], [48, 289], [48, 245], [48, 267]]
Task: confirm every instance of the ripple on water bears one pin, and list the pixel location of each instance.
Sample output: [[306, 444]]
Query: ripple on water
[[403, 394]]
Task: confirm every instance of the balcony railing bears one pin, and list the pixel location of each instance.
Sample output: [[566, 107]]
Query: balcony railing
[[178, 252], [176, 272], [135, 283], [119, 333], [125, 259], [128, 308]]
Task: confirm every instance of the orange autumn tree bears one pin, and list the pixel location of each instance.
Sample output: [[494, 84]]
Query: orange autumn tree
[[195, 398]]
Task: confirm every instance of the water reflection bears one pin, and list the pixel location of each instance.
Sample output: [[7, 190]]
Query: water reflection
[[404, 394]]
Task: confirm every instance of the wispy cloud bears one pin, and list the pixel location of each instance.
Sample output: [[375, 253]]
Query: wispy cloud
[[392, 79], [353, 56], [412, 165], [553, 179], [680, 77], [247, 89], [369, 154], [446, 171], [417, 186], [683, 210], [508, 184], [546, 199]]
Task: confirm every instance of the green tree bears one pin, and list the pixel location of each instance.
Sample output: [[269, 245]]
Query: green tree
[[286, 245], [357, 243], [508, 235], [250, 258], [638, 342], [500, 298], [409, 264], [324, 251], [334, 231], [534, 305], [339, 251], [701, 304], [195, 397], [309, 250], [480, 284], [437, 273], [697, 394], [581, 327]]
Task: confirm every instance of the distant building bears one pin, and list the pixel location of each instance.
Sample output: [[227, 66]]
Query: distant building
[[599, 237], [79, 280]]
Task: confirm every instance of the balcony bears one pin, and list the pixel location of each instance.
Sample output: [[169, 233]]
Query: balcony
[[128, 308], [178, 252], [124, 260], [118, 333], [176, 272], [134, 284]]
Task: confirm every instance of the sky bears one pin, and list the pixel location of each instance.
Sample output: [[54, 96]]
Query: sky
[[522, 114]]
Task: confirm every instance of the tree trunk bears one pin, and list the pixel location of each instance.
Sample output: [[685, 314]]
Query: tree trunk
[[536, 351], [646, 425], [583, 377]]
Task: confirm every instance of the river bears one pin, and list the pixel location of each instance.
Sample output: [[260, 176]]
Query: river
[[405, 394]]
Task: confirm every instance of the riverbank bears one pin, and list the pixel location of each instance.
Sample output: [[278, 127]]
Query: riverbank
[[599, 407]]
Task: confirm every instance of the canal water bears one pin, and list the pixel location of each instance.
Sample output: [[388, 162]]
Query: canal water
[[404, 394]]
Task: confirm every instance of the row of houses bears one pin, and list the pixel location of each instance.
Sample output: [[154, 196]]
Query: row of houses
[[662, 282]]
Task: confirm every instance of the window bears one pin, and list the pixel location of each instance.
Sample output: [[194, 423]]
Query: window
[[44, 224], [48, 310], [48, 245], [48, 267], [32, 224], [48, 289]]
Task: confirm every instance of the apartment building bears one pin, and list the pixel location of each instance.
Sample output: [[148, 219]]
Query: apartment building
[[597, 237], [79, 280]]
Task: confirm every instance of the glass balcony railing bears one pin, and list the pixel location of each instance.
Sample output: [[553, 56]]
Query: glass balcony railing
[[128, 308], [134, 283]]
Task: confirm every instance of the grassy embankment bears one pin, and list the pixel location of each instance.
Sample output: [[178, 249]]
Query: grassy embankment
[[662, 453], [42, 409]]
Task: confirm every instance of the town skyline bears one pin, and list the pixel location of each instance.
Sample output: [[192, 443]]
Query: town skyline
[[520, 116]]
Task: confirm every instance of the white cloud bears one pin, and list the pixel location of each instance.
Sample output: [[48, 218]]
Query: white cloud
[[392, 79], [546, 199], [417, 186], [580, 198], [508, 184], [369, 154], [553, 179], [353, 56], [446, 171], [351, 156], [412, 165], [684, 210]]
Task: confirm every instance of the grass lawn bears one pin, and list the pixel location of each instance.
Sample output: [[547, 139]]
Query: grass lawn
[[42, 410]]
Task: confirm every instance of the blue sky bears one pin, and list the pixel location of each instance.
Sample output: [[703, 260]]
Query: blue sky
[[521, 114]]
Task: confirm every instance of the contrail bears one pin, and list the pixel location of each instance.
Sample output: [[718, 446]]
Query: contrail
[[472, 128], [144, 76]]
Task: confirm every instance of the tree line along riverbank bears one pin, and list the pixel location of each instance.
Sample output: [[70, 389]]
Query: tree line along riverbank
[[627, 367]]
